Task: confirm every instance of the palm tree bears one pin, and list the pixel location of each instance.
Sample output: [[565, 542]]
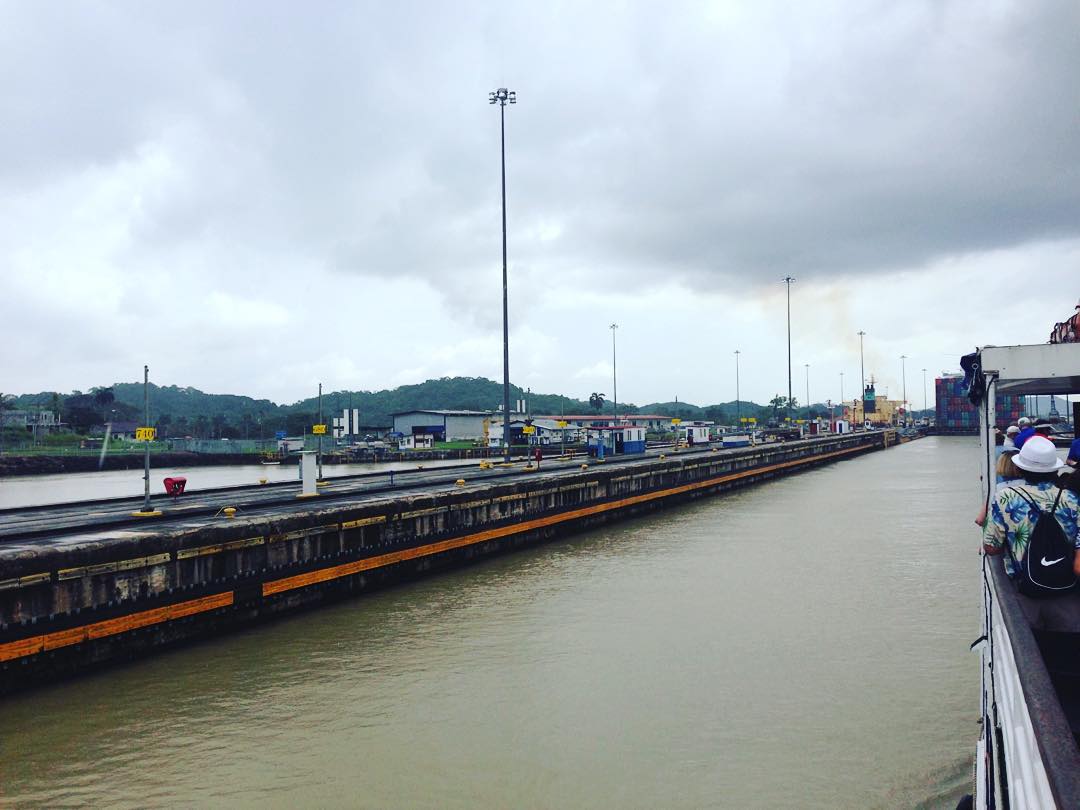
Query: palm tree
[[596, 401], [776, 403], [103, 398]]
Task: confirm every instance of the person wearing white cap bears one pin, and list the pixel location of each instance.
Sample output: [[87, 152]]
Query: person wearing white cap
[[1014, 511], [1010, 434], [1026, 432]]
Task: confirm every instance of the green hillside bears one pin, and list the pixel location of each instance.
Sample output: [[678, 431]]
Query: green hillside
[[186, 411]]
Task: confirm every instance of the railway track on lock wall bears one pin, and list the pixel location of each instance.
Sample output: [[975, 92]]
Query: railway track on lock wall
[[280, 497]]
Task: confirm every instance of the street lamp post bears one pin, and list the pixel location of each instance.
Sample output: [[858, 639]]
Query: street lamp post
[[903, 378], [502, 97], [614, 388], [841, 391], [862, 373], [807, 390], [924, 393], [320, 435], [146, 422], [738, 405], [615, 393], [789, 281]]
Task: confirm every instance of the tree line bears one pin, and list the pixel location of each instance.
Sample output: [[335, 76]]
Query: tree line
[[186, 411]]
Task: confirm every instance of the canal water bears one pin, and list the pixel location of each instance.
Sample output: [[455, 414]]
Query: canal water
[[38, 490], [801, 643]]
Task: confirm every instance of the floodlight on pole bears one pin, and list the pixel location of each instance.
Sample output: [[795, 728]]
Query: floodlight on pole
[[738, 406], [614, 378], [924, 392], [862, 363], [146, 450], [807, 390], [903, 378], [502, 97], [788, 280]]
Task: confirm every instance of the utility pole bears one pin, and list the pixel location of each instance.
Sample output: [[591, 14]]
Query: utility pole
[[320, 435], [789, 281], [862, 373], [146, 423], [614, 388], [502, 97], [924, 393], [807, 390], [903, 377], [841, 392], [738, 406]]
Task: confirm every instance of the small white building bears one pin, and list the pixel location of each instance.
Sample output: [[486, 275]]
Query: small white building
[[546, 430], [695, 432], [416, 441], [446, 426], [650, 421], [616, 439]]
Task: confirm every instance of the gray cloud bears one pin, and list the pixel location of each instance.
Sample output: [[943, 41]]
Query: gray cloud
[[268, 150]]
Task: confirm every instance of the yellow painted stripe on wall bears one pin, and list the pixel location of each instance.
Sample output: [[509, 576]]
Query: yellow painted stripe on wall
[[21, 648], [112, 627], [357, 566]]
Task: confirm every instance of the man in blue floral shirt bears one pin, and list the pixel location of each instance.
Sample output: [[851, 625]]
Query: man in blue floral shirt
[[1012, 519]]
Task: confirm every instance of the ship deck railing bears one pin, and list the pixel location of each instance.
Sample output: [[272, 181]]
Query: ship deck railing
[[1047, 666]]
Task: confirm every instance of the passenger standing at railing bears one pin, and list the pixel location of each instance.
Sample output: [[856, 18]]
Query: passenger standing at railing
[[1025, 431], [1007, 475], [1010, 437], [1014, 512], [1073, 459]]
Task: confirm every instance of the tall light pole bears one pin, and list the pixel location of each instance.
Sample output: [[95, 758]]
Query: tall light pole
[[807, 390], [146, 422], [789, 281], [320, 435], [862, 364], [614, 377], [924, 393], [738, 407], [502, 97], [903, 378], [841, 392]]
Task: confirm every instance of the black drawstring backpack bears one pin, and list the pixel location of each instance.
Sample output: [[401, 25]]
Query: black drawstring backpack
[[1047, 569]]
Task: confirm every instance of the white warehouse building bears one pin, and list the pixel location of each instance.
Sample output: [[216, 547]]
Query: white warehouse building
[[445, 426]]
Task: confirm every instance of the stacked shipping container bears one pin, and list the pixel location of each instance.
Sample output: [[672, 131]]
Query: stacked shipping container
[[956, 414]]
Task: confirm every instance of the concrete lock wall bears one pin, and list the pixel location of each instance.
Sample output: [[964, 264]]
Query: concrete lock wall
[[67, 606]]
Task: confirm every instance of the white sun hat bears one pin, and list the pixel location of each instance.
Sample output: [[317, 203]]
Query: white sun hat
[[1038, 455]]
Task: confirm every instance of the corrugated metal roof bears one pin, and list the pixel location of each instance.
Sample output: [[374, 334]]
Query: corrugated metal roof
[[444, 413]]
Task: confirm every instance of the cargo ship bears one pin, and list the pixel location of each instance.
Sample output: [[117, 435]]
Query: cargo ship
[[954, 414], [1026, 754]]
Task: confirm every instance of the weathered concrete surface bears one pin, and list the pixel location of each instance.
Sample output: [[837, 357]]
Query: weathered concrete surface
[[68, 605], [54, 464]]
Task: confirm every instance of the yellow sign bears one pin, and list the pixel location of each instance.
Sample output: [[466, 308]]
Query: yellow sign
[[800, 421], [528, 429], [318, 429], [145, 434], [562, 423], [676, 422], [743, 419], [753, 420]]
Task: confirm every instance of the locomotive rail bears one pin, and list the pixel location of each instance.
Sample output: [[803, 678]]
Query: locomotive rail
[[279, 497]]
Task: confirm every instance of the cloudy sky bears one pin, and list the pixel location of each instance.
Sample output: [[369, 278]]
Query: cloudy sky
[[256, 197]]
